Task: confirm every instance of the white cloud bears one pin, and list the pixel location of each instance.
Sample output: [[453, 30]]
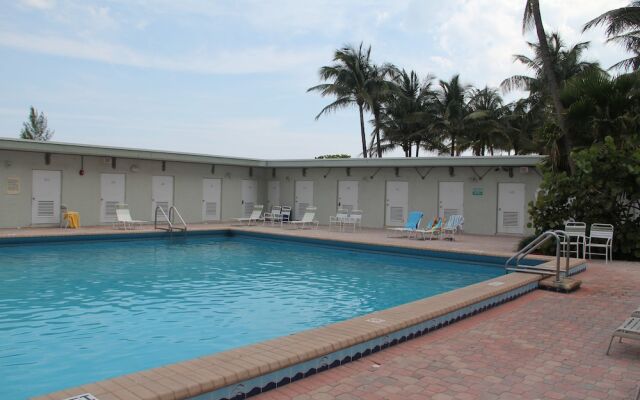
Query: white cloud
[[250, 60], [39, 4]]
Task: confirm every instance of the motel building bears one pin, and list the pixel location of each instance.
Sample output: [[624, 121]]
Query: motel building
[[39, 179]]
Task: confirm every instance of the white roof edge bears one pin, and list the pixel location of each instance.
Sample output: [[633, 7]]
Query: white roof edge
[[145, 154]]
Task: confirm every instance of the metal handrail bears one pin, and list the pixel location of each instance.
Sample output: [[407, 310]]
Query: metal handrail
[[536, 243], [166, 217], [175, 210]]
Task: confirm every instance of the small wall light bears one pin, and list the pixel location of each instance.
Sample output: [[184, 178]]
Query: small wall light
[[113, 163], [47, 158], [164, 166]]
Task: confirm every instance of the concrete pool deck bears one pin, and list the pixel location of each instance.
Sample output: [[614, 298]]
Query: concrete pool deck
[[518, 350]]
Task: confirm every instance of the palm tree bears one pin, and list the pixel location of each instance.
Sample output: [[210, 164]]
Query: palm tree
[[602, 106], [347, 78], [408, 115], [623, 27], [567, 62], [522, 120], [451, 108], [486, 122], [532, 17], [378, 90]]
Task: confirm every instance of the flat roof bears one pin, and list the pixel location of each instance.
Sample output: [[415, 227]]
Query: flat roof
[[11, 144]]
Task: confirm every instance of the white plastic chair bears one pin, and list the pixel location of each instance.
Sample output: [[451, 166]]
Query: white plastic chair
[[355, 219], [339, 218], [123, 218], [273, 216], [576, 236], [600, 237]]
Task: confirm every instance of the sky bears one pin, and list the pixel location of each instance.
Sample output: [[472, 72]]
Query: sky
[[230, 77]]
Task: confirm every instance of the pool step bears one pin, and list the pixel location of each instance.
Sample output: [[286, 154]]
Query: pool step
[[532, 270]]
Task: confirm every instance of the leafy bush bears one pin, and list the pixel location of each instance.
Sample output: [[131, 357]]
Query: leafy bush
[[605, 188]]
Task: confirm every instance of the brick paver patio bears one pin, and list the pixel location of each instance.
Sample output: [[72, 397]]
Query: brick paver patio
[[541, 346]]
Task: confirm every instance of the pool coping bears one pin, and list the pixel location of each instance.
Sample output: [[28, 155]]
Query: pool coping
[[253, 369]]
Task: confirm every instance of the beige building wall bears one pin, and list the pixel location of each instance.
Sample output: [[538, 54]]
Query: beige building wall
[[480, 210], [82, 193]]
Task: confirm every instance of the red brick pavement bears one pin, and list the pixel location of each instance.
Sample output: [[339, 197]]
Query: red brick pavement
[[541, 346]]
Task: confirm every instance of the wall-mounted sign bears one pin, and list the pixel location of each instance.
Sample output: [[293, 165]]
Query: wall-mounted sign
[[477, 191], [13, 185]]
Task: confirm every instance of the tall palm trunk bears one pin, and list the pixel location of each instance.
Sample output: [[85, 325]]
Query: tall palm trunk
[[376, 120], [552, 84], [362, 134], [453, 144]]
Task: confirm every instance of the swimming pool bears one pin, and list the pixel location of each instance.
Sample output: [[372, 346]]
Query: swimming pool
[[81, 311]]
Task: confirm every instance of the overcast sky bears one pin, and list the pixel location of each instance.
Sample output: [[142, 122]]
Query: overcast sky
[[230, 77]]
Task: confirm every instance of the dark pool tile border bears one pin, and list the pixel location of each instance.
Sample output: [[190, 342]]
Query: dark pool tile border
[[273, 380], [347, 245]]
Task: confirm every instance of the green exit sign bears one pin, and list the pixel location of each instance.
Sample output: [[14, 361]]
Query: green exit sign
[[478, 191]]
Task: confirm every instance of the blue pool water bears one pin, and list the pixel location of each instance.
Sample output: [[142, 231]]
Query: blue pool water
[[77, 312]]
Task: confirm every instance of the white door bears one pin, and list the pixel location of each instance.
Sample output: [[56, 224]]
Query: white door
[[161, 195], [249, 195], [273, 194], [211, 191], [511, 207], [45, 199], [111, 194], [348, 195], [304, 197], [451, 199], [397, 203]]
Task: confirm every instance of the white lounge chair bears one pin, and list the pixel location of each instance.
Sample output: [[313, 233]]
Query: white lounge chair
[[431, 230], [630, 329], [355, 219], [308, 219], [124, 220], [451, 226], [600, 236], [411, 226], [256, 215], [339, 218]]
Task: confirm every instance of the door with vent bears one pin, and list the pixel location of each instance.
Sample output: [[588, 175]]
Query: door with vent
[[211, 191], [45, 199], [111, 194], [303, 198], [511, 208], [397, 203], [249, 196], [450, 199], [161, 195], [348, 195], [273, 194]]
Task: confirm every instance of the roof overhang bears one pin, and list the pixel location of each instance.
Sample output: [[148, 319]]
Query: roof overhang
[[142, 154]]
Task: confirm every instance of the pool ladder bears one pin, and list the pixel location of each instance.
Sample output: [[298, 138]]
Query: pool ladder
[[171, 226], [561, 240]]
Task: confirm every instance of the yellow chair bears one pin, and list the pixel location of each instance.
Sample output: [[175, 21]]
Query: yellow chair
[[72, 219]]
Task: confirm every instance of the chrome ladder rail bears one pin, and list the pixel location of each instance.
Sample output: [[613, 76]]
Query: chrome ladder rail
[[169, 226], [169, 219], [174, 211], [558, 235]]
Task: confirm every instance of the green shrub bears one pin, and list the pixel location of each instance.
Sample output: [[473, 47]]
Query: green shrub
[[605, 188]]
